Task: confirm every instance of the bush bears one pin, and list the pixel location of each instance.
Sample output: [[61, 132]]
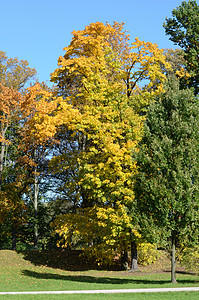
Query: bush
[[190, 259], [147, 254]]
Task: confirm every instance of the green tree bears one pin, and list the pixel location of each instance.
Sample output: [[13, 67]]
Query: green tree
[[183, 29], [166, 185]]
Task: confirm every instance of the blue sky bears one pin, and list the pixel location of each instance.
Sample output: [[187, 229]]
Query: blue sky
[[38, 30]]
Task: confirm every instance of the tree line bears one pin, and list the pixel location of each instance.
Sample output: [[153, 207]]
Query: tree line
[[106, 160]]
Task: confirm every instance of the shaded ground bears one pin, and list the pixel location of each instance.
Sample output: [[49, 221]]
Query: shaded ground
[[77, 261], [65, 260]]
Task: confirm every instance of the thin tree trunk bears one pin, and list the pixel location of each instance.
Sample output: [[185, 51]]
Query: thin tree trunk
[[173, 259], [1, 162], [134, 257], [36, 233], [2, 154]]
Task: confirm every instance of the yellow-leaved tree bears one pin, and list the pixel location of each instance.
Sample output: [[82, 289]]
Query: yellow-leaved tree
[[103, 86]]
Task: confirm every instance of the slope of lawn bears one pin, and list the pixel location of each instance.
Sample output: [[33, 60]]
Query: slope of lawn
[[53, 271]]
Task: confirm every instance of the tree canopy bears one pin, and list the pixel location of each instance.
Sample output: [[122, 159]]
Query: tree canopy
[[166, 184], [183, 29], [99, 110]]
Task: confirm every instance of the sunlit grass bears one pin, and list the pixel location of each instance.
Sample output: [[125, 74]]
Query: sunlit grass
[[141, 296], [18, 274]]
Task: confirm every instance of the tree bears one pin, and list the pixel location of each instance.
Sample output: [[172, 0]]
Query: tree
[[98, 76], [11, 184], [183, 29], [166, 184], [10, 103], [100, 58], [97, 88], [15, 73], [34, 151], [102, 231], [175, 57]]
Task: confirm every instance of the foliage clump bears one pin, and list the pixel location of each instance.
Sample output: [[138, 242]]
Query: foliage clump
[[147, 253]]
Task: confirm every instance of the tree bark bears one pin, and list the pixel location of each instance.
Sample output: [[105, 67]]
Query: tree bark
[[3, 147], [124, 261], [173, 259], [134, 257], [36, 192], [1, 164]]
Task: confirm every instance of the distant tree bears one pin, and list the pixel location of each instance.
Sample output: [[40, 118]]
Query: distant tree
[[166, 184], [15, 73], [183, 29], [10, 102], [176, 59], [34, 151]]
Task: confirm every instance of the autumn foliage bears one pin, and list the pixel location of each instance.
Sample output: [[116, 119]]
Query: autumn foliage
[[80, 134], [100, 100]]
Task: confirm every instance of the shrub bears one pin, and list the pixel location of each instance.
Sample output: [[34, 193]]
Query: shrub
[[190, 259], [147, 253]]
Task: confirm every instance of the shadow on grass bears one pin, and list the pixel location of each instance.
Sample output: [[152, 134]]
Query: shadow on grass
[[101, 280], [182, 272], [72, 260]]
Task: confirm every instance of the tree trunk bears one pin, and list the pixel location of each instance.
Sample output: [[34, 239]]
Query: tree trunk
[[124, 260], [3, 148], [134, 257], [173, 259], [1, 163], [36, 233]]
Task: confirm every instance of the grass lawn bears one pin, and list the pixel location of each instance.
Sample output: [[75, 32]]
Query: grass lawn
[[141, 296], [20, 273]]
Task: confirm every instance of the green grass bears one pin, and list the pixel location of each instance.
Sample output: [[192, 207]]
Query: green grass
[[20, 274], [141, 296]]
